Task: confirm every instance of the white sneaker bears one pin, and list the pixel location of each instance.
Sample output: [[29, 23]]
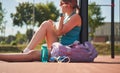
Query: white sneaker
[[26, 50]]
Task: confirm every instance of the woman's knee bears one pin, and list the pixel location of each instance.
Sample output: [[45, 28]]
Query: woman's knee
[[34, 54], [46, 24]]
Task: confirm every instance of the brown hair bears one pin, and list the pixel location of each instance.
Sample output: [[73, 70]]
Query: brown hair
[[73, 2]]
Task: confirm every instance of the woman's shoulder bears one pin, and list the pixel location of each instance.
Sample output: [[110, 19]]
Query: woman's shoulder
[[77, 18], [77, 15]]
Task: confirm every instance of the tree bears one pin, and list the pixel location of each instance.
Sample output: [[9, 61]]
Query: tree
[[94, 18], [29, 34], [24, 13], [20, 38], [1, 18], [1, 13], [44, 12], [10, 38]]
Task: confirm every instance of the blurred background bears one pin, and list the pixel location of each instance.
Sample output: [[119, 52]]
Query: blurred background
[[19, 19]]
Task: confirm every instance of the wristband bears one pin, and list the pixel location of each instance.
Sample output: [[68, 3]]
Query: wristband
[[61, 15]]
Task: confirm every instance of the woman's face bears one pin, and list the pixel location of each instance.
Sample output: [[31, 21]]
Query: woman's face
[[65, 6]]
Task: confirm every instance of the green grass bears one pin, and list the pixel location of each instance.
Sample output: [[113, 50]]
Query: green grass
[[14, 49], [105, 49]]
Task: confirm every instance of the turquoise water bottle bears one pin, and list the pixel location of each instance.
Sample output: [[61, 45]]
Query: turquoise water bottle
[[44, 53]]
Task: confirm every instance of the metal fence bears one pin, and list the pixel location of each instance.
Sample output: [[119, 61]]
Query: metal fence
[[108, 35]]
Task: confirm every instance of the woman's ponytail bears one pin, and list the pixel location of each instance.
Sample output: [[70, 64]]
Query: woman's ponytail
[[76, 8], [75, 5]]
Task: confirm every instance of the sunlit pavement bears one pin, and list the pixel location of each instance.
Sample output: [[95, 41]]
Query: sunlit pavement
[[102, 64]]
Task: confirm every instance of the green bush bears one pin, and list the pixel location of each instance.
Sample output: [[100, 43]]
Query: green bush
[[10, 48], [2, 42], [13, 43]]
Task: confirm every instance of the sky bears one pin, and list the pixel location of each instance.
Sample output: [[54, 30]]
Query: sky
[[9, 6]]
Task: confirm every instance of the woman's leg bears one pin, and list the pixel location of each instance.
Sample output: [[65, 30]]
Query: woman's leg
[[51, 36], [45, 30], [21, 57]]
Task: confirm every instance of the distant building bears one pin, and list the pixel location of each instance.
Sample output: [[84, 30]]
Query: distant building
[[103, 33]]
